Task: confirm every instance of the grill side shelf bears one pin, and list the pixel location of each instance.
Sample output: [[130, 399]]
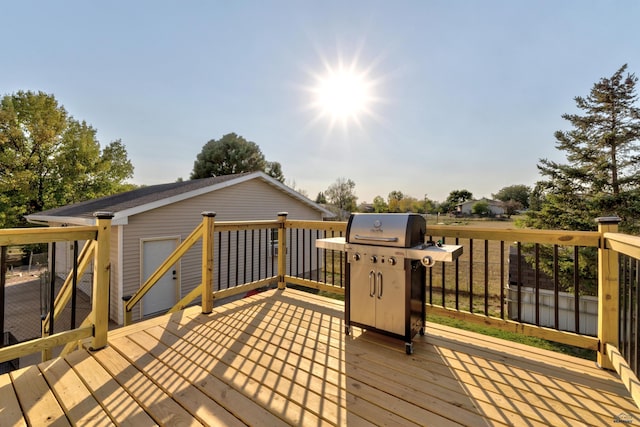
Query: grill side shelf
[[444, 253], [331, 243]]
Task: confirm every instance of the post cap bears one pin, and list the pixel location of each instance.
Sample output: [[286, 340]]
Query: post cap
[[103, 214], [283, 213], [208, 213], [609, 220]]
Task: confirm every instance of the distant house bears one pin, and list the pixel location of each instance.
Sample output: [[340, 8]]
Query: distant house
[[466, 208], [150, 222]]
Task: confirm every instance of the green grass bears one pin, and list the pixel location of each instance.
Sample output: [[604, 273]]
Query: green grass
[[514, 337]]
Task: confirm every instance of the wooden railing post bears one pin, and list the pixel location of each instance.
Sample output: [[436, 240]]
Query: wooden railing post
[[128, 315], [608, 292], [208, 221], [282, 249], [101, 275]]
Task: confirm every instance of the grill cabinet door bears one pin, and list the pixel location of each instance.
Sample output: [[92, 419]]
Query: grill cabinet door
[[390, 299], [377, 295], [362, 302]]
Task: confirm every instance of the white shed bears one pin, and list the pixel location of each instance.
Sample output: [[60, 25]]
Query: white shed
[[150, 222]]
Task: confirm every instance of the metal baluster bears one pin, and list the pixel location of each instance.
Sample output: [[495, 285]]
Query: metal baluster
[[52, 284], [556, 286], [74, 285], [502, 281], [576, 289]]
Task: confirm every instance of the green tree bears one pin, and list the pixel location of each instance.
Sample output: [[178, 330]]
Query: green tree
[[395, 195], [601, 176], [394, 199], [49, 159], [233, 154], [455, 198], [342, 195], [429, 206], [411, 204], [379, 205], [320, 198], [517, 193], [459, 196], [511, 207], [274, 170], [481, 208]]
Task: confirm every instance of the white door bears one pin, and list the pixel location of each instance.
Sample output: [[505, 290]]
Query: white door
[[164, 294]]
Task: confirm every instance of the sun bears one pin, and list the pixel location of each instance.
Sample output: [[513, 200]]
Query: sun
[[343, 95]]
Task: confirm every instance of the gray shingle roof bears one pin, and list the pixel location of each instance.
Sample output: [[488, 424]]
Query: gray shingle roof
[[139, 200], [131, 199]]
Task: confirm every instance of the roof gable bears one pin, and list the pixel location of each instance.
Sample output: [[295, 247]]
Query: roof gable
[[142, 199]]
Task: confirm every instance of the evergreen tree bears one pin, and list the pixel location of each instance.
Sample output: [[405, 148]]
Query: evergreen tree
[[601, 177], [320, 198]]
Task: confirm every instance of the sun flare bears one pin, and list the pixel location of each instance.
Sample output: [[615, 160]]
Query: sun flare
[[343, 95]]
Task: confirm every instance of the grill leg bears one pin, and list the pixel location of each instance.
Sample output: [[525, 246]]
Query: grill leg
[[408, 346]]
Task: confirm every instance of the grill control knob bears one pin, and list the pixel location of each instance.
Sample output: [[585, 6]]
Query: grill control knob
[[356, 256], [427, 261], [392, 260], [374, 259]]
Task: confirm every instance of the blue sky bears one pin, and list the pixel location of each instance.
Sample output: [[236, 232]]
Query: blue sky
[[466, 94]]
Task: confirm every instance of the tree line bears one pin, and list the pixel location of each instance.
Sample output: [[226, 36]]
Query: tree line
[[341, 194]]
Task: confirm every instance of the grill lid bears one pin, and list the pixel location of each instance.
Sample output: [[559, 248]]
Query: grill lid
[[401, 230]]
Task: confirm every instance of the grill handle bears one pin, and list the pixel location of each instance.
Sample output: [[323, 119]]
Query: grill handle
[[372, 283], [376, 238], [379, 285]]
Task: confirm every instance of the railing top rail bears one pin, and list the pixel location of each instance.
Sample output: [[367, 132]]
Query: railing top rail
[[23, 236], [623, 243], [245, 225], [559, 237], [317, 225]]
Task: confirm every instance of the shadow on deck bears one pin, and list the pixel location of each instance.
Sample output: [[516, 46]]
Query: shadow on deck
[[281, 358]]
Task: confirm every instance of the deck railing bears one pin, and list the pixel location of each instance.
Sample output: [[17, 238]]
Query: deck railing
[[486, 284], [478, 293], [239, 257], [95, 252]]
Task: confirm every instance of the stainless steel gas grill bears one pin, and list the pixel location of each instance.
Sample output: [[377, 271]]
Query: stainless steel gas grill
[[387, 257]]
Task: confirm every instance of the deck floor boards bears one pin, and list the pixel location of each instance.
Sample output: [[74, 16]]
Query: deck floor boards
[[281, 358]]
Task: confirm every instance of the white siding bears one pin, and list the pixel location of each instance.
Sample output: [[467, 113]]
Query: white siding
[[250, 200], [115, 278]]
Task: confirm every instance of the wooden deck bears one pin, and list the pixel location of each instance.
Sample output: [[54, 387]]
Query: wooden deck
[[281, 358]]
